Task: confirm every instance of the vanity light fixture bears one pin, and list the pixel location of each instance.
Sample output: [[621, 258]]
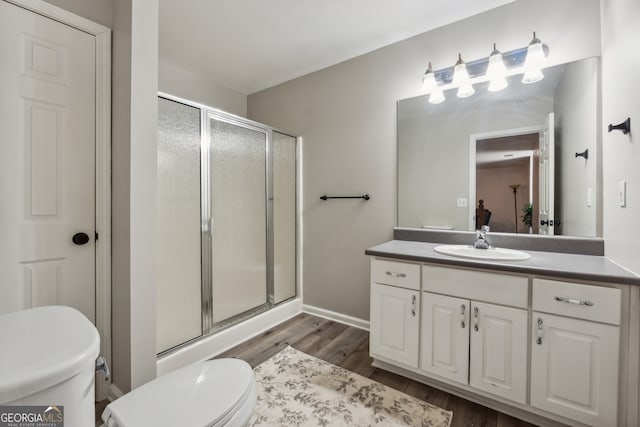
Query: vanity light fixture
[[429, 85], [462, 80], [534, 61], [496, 71]]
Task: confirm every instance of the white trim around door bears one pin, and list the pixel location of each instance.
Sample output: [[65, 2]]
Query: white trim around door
[[103, 166], [473, 142]]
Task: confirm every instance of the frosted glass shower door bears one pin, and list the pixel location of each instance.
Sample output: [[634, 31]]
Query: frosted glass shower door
[[284, 216], [179, 302], [238, 227]]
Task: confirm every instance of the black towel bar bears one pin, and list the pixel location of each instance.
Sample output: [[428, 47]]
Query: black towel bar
[[364, 196]]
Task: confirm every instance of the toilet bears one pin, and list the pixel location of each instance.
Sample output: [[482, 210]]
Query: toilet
[[50, 360], [217, 392]]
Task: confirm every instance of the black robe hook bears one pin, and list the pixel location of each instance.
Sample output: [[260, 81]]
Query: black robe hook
[[584, 154], [625, 126]]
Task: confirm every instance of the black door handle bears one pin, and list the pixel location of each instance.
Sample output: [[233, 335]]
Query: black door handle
[[80, 239]]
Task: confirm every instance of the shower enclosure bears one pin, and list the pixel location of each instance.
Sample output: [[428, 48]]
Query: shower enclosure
[[226, 220]]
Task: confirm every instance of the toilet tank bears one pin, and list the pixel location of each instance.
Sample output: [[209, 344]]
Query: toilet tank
[[47, 359]]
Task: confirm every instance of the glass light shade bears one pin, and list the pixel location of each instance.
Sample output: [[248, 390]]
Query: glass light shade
[[534, 62], [436, 97], [465, 91], [532, 76], [496, 71], [497, 84], [429, 83], [462, 80]]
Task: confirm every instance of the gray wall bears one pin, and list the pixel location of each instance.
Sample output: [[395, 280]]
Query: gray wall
[[493, 187], [347, 117], [120, 195], [100, 11], [188, 85], [577, 129], [133, 290], [116, 14], [621, 156]]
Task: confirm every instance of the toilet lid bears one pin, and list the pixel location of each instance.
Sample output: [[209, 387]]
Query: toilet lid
[[197, 395], [42, 347]]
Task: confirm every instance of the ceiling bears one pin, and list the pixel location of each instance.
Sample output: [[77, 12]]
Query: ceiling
[[505, 151], [250, 45]]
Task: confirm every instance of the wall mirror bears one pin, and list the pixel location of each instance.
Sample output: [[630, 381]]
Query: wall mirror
[[517, 150]]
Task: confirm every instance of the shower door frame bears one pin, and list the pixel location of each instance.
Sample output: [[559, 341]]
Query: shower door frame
[[206, 238], [208, 324]]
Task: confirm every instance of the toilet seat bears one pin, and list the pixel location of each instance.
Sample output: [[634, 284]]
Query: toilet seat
[[210, 393]]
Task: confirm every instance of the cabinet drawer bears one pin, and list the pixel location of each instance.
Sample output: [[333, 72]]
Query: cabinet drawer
[[587, 302], [402, 274], [488, 287]]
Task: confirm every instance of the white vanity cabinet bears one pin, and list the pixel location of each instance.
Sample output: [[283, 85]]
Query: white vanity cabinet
[[468, 336], [395, 311], [575, 351], [552, 352]]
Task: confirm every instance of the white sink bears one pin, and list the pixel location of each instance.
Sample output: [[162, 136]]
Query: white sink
[[496, 254]]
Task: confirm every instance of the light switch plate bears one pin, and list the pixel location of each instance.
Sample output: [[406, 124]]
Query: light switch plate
[[462, 203], [622, 194]]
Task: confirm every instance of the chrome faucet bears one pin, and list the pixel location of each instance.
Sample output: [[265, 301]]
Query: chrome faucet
[[481, 238]]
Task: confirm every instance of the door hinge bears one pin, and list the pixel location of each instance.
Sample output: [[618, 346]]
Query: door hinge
[[96, 235]]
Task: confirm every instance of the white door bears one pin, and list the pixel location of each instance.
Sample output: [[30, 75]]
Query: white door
[[498, 361], [445, 337], [394, 324], [547, 177], [47, 163], [574, 369]]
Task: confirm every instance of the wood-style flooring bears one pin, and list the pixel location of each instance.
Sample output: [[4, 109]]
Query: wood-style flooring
[[348, 347]]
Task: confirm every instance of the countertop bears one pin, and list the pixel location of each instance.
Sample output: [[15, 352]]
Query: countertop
[[557, 265]]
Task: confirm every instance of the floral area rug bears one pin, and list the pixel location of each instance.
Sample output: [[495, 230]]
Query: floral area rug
[[295, 389]]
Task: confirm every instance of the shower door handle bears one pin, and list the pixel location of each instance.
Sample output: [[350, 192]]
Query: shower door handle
[[207, 226]]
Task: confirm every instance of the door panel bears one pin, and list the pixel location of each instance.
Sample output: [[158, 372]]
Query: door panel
[[445, 337], [284, 216], [394, 324], [239, 218], [47, 162], [179, 283], [574, 368], [499, 351], [547, 177]]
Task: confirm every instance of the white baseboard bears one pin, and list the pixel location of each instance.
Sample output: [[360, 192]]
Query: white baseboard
[[222, 341], [338, 317]]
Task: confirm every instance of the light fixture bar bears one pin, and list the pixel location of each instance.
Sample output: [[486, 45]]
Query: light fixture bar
[[478, 68]]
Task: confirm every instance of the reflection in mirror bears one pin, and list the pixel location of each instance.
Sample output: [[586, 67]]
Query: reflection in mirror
[[514, 150], [506, 171]]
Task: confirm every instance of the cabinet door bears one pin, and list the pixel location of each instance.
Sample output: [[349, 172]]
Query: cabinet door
[[574, 368], [394, 324], [498, 363], [445, 337]]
